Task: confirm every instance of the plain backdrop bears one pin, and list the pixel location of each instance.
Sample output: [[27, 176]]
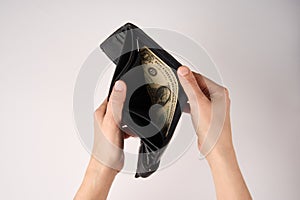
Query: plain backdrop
[[255, 44]]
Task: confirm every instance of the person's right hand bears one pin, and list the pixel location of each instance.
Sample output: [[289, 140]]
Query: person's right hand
[[209, 107]]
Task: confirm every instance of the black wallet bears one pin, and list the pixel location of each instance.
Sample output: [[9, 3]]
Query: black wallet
[[128, 47]]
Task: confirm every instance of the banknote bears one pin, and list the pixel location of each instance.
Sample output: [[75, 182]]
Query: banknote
[[163, 87]]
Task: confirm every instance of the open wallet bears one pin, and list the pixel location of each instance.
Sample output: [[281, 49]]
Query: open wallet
[[154, 96]]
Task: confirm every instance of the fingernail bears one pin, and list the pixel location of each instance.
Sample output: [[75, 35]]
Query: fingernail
[[183, 71], [119, 86]]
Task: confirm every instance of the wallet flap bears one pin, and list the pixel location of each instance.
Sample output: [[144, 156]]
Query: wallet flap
[[114, 44]]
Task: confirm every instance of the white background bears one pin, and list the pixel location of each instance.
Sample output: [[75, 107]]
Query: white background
[[255, 44]]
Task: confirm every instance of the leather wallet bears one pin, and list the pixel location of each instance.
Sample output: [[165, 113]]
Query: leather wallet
[[127, 47]]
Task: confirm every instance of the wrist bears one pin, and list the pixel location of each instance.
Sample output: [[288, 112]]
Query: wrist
[[221, 155], [97, 181], [223, 149], [97, 167]]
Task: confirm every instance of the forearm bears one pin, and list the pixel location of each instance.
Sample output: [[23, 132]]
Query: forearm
[[97, 182], [228, 179]]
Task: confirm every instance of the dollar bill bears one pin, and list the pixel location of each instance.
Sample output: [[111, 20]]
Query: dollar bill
[[163, 87]]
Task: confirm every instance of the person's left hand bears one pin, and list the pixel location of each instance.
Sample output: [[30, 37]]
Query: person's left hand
[[109, 138]]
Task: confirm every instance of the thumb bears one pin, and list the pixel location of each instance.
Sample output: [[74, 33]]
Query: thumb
[[116, 102], [190, 86]]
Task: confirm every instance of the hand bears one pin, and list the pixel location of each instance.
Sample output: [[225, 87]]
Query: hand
[[209, 107], [108, 137], [107, 156]]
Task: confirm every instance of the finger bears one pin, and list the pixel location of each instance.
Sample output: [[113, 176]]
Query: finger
[[100, 111], [217, 92], [190, 86], [116, 102], [210, 88], [127, 130], [125, 135], [202, 84], [187, 108]]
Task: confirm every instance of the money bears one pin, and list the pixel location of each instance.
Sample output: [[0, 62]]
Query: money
[[163, 87]]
